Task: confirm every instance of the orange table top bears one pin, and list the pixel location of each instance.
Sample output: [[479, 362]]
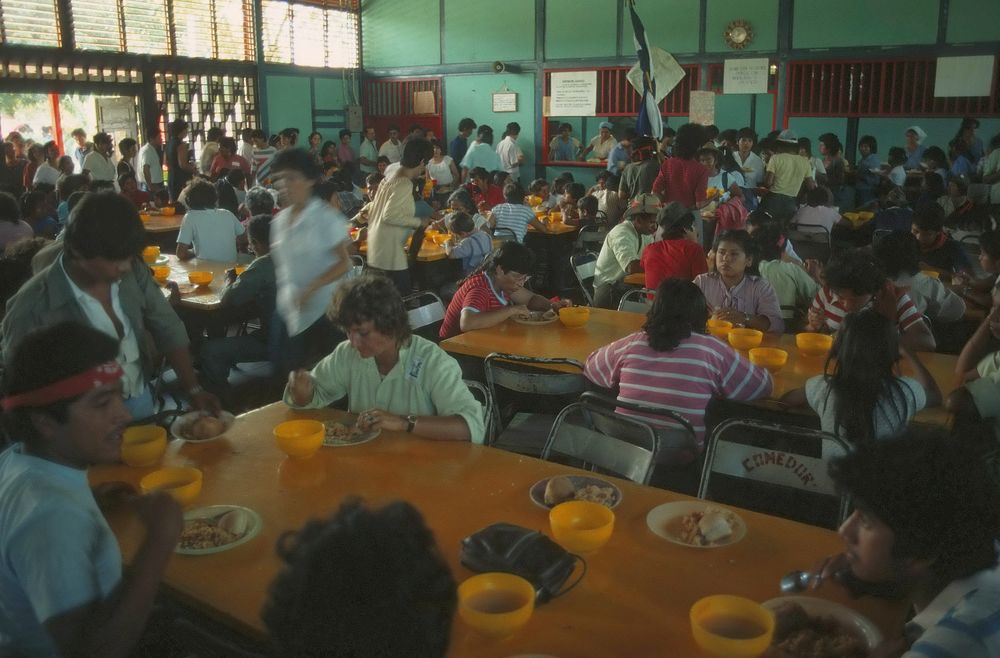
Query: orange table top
[[429, 251], [605, 326], [162, 224], [555, 228], [204, 298], [634, 600], [637, 279]]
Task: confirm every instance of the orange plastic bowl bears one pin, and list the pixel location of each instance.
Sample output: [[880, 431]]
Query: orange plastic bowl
[[184, 484], [200, 278], [145, 217], [150, 254], [719, 328], [161, 273], [731, 626], [168, 211], [581, 526], [240, 269], [143, 445], [745, 339], [496, 604], [813, 344], [574, 316], [769, 357], [300, 438]]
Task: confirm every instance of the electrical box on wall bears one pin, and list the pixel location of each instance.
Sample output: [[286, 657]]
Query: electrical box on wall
[[354, 121]]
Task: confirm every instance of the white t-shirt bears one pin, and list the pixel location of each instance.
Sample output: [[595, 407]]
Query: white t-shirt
[[439, 171], [57, 552], [824, 216], [149, 156], [508, 151], [302, 252], [889, 418], [392, 151], [212, 233], [100, 167], [752, 168], [898, 176], [46, 173]]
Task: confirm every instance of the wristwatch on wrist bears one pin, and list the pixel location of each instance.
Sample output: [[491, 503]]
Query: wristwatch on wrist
[[411, 422]]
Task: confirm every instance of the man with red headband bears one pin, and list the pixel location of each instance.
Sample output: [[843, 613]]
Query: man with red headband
[[100, 281], [61, 586]]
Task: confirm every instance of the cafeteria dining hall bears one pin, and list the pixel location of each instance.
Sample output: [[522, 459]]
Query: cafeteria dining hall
[[465, 329]]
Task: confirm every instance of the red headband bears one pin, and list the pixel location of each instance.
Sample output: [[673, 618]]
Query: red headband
[[64, 389]]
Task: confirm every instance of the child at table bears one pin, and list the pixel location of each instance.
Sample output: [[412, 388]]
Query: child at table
[[586, 213], [794, 283], [467, 243], [540, 188], [572, 193], [938, 251], [735, 291], [461, 202], [61, 585], [208, 232], [859, 397], [398, 597], [513, 215], [983, 292], [678, 254], [899, 254]]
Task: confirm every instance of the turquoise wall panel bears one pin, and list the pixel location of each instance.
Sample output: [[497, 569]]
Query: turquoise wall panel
[[889, 132], [484, 30], [670, 24], [289, 103], [825, 24], [813, 127], [580, 28], [400, 34], [761, 14], [472, 96], [973, 20]]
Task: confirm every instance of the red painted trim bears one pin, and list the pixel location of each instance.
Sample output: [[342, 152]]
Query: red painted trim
[[56, 120]]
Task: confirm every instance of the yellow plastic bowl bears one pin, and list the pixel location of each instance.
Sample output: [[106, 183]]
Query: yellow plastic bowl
[[769, 357], [812, 344], [200, 278], [719, 328], [168, 211], [161, 273], [745, 339], [143, 445], [721, 623], [574, 316], [240, 269], [865, 216], [145, 217], [555, 216], [184, 484], [441, 238], [581, 526], [300, 438], [150, 254], [496, 604], [934, 274], [533, 200]]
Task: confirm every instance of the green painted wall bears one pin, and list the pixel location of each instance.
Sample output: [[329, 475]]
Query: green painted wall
[[813, 127], [400, 34], [485, 30], [580, 28], [733, 111], [825, 24], [670, 24], [288, 103], [472, 96], [973, 20], [761, 14], [889, 132]]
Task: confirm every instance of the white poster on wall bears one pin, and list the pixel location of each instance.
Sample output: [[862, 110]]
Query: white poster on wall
[[746, 76], [964, 76], [702, 107], [574, 93]]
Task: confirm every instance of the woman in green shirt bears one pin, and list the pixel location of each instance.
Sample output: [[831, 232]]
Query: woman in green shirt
[[392, 378]]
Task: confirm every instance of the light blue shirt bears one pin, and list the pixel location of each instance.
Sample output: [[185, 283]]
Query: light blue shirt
[[617, 159], [481, 154], [57, 552], [963, 621]]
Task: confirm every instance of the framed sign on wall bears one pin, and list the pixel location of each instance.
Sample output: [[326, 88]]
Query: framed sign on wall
[[505, 101]]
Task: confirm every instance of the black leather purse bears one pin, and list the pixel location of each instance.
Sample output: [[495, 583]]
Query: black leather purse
[[523, 552]]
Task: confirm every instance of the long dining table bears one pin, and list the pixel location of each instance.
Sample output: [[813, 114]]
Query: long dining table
[[555, 340], [633, 601]]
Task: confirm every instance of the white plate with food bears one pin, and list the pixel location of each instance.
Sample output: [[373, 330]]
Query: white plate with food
[[339, 435], [549, 492], [696, 523], [538, 317], [162, 259], [201, 426], [821, 628], [217, 528]]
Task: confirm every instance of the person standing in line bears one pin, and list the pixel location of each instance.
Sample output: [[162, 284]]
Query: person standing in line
[[151, 162], [392, 148], [510, 154], [180, 168], [81, 150], [459, 145]]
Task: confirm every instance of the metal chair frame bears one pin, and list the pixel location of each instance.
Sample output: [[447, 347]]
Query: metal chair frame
[[641, 303], [584, 265], [478, 391]]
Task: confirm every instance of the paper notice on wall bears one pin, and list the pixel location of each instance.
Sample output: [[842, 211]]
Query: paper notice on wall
[[664, 70], [746, 76], [702, 107], [964, 76], [424, 102], [574, 93]]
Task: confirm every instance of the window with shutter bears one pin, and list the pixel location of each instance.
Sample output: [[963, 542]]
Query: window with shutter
[[146, 27], [311, 32], [193, 28], [96, 25], [29, 23]]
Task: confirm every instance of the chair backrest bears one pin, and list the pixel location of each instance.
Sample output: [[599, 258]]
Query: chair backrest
[[530, 383], [674, 431], [357, 267], [637, 301], [878, 234], [483, 397], [589, 237], [811, 241], [593, 437], [970, 245], [504, 235], [426, 313], [584, 265], [774, 468]]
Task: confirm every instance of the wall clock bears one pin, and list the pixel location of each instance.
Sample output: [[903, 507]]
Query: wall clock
[[738, 34]]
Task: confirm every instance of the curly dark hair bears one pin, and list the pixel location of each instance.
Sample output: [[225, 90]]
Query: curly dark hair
[[366, 583], [690, 137], [371, 298], [679, 310], [201, 195], [856, 271]]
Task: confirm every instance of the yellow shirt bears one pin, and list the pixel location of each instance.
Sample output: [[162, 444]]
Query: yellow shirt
[[789, 172], [391, 219]]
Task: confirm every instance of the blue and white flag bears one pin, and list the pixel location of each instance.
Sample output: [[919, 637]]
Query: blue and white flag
[[653, 77]]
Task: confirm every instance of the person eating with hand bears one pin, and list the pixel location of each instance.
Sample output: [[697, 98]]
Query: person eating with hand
[[393, 379], [62, 592]]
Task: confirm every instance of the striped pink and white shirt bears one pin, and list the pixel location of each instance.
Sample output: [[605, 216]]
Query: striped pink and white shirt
[[683, 379], [827, 301]]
